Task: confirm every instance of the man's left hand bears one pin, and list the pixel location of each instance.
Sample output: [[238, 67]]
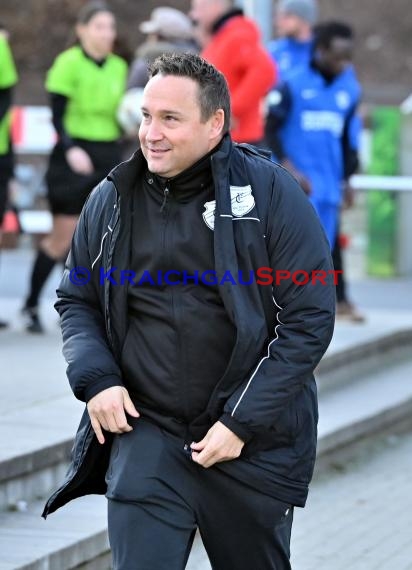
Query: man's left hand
[[219, 444]]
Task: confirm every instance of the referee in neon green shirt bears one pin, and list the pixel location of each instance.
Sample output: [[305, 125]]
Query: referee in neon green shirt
[[85, 83]]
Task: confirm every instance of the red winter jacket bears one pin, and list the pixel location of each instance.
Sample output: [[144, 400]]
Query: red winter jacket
[[235, 50]]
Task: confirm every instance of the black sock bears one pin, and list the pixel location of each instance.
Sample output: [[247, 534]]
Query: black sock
[[41, 270]]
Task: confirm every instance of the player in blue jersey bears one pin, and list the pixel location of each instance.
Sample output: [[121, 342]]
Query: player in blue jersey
[[308, 124], [291, 50]]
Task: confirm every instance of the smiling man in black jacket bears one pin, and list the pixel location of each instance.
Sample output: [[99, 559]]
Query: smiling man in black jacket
[[197, 370]]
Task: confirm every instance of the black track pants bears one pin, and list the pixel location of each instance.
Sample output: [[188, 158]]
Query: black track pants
[[158, 497]]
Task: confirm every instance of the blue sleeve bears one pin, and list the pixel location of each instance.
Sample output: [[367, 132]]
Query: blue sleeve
[[279, 102], [355, 128], [350, 142]]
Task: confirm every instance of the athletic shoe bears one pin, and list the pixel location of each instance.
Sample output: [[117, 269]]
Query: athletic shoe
[[32, 320], [345, 311]]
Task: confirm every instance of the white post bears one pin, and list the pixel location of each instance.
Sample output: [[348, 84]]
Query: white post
[[405, 200], [261, 12]]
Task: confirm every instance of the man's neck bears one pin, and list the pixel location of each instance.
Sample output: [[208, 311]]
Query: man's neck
[[304, 34], [328, 77]]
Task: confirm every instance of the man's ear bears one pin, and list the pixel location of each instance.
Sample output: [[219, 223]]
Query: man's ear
[[79, 28], [217, 122]]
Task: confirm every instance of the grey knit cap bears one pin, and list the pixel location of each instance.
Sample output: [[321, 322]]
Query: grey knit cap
[[305, 9]]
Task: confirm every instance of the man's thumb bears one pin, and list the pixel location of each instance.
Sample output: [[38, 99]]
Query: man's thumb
[[129, 406], [198, 446]]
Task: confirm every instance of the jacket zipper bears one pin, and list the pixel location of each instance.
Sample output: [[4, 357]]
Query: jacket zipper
[[166, 193], [174, 305]]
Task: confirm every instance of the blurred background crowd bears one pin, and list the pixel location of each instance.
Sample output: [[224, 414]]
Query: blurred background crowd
[[316, 83]]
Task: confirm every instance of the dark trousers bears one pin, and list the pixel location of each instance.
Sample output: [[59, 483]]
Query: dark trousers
[[158, 497]]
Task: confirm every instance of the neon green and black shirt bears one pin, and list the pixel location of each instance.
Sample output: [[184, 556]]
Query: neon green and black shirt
[[8, 78], [93, 92]]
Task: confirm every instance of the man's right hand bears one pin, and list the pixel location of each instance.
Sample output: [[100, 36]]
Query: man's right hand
[[107, 411]]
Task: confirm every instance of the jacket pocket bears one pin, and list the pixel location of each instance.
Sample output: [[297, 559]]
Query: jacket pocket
[[286, 425], [282, 434]]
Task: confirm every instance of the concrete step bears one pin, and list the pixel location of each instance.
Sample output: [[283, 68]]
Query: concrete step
[[38, 414], [352, 362], [35, 459], [365, 406], [74, 537]]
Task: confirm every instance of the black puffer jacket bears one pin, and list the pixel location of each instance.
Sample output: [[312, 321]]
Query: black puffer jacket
[[267, 394]]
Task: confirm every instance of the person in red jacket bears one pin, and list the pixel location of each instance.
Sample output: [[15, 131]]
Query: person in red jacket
[[233, 46]]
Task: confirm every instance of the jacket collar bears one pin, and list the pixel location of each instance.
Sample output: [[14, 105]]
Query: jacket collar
[[225, 18], [188, 183], [125, 175]]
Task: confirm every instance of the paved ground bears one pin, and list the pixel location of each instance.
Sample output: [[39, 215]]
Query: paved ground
[[359, 518]]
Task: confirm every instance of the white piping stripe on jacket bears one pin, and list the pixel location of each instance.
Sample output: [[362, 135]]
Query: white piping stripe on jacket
[[235, 218], [101, 248], [245, 218], [264, 358]]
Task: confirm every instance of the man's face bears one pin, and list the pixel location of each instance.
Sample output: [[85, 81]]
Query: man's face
[[172, 134], [205, 12], [336, 58], [287, 24]]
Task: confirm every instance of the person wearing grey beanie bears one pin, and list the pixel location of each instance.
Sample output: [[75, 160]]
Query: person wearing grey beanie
[[306, 10], [293, 24]]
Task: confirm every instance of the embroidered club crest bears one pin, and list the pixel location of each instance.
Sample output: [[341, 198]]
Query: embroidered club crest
[[342, 100], [209, 214], [242, 202]]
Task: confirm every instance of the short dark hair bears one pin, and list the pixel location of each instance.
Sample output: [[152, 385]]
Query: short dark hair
[[90, 9], [326, 32], [213, 88]]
